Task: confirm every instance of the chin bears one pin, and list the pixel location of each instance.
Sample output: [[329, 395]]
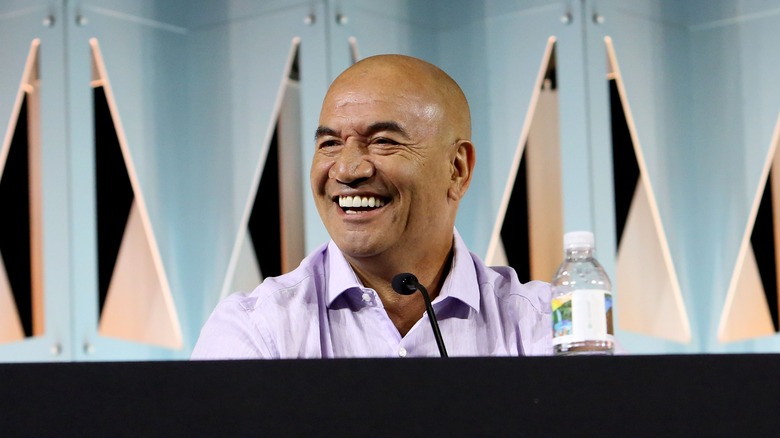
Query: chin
[[360, 248]]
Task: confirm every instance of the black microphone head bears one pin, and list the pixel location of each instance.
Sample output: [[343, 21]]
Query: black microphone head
[[405, 284]]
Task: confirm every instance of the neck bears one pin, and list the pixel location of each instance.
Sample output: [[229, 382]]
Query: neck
[[405, 310]]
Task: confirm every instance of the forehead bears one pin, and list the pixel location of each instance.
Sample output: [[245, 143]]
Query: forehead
[[361, 102]]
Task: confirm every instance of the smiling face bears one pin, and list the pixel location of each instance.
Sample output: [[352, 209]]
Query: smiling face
[[392, 160]]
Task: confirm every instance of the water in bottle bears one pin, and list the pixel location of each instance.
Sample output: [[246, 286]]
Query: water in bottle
[[582, 300]]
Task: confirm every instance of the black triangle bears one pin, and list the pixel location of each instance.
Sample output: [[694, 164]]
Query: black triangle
[[114, 193], [514, 229], [625, 166], [264, 223], [515, 226], [265, 219], [15, 238], [762, 239]]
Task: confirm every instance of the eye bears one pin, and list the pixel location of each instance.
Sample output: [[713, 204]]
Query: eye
[[328, 143], [383, 140]]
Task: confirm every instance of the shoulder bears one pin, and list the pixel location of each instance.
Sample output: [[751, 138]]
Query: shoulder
[[301, 285], [502, 281], [523, 309], [250, 324]]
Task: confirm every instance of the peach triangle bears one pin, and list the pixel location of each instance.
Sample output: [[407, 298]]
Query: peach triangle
[[746, 312], [748, 315], [247, 274], [138, 306], [10, 325], [648, 299]]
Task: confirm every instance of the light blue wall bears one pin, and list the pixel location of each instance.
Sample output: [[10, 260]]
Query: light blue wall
[[197, 83], [143, 48], [650, 41], [20, 23], [237, 62], [735, 57], [495, 51]]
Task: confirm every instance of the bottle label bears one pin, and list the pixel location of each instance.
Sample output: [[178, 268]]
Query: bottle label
[[582, 315]]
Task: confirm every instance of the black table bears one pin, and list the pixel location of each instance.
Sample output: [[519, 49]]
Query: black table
[[675, 395]]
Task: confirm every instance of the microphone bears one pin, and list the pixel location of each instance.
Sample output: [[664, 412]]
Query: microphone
[[407, 284]]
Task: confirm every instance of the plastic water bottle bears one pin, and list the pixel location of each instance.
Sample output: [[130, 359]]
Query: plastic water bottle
[[582, 300]]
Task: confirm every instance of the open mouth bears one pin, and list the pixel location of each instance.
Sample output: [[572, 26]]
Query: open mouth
[[360, 204]]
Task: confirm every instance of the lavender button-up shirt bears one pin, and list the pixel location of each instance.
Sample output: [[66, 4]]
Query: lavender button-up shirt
[[321, 310]]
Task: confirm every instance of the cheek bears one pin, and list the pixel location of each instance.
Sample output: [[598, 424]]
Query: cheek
[[402, 171], [318, 174], [435, 175]]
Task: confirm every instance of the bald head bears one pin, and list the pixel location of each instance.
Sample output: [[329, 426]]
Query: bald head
[[393, 158], [411, 78]]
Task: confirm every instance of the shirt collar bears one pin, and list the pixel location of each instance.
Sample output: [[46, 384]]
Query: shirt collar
[[461, 283], [341, 277]]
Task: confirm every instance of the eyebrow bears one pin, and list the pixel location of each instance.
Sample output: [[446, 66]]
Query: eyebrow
[[373, 128], [322, 131]]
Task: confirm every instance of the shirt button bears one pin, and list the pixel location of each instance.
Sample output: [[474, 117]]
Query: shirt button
[[402, 352], [366, 297]]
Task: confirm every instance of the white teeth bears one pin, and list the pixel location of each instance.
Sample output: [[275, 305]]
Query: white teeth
[[360, 201]]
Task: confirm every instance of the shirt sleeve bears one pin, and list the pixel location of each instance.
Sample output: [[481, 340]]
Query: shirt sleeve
[[536, 319], [230, 333]]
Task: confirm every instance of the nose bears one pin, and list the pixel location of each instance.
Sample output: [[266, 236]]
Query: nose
[[352, 165]]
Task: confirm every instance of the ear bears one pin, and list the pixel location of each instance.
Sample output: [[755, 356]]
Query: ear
[[462, 169]]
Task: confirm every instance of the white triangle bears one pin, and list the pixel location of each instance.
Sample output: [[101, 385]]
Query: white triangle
[[496, 254], [745, 314], [647, 295], [239, 246], [10, 324], [748, 315], [545, 191], [247, 274], [545, 215], [139, 306]]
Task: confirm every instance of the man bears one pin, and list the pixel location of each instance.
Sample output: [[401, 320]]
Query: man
[[393, 160]]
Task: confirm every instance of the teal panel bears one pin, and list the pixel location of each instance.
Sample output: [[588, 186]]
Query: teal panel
[[171, 14], [144, 58], [720, 177], [709, 13], [576, 142], [496, 58], [197, 101], [197, 86], [56, 175], [206, 13], [21, 23], [18, 28], [315, 78], [735, 60], [237, 69], [652, 51], [378, 27], [455, 13], [81, 161], [599, 139]]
